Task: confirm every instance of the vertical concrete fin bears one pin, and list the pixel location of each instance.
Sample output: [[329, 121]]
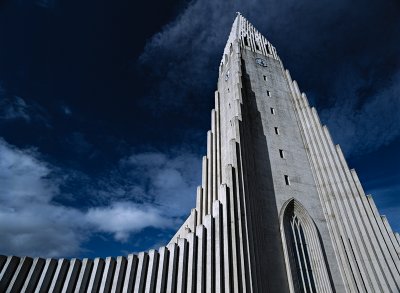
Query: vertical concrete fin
[[234, 250], [199, 204], [313, 141], [193, 223], [162, 273], [72, 276], [47, 275], [141, 274], [151, 278], [3, 260], [130, 273], [227, 263], [119, 275], [84, 276], [19, 275], [59, 275], [108, 275], [191, 263], [391, 235], [33, 275], [237, 202], [97, 272], [305, 99], [201, 258], [210, 255], [218, 139], [349, 236], [204, 186], [356, 213], [182, 266], [214, 176], [7, 272], [172, 267], [397, 237], [384, 234], [218, 247], [210, 171]]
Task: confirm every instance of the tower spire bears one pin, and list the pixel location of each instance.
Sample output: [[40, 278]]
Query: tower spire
[[249, 38]]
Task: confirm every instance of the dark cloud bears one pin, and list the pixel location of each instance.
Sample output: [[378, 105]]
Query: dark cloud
[[344, 55], [13, 107], [365, 126], [37, 217]]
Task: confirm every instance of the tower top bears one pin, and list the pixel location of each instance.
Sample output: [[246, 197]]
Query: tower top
[[249, 38]]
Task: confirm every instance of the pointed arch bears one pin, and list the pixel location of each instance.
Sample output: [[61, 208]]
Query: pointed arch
[[305, 263]]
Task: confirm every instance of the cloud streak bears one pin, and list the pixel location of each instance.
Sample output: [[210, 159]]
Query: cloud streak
[[30, 224], [34, 222], [14, 107], [124, 218], [364, 127], [319, 40]]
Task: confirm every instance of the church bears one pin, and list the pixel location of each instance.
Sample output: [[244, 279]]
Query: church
[[278, 210]]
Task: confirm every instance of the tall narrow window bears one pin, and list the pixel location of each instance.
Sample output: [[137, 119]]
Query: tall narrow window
[[281, 154], [287, 181], [306, 267], [268, 93], [276, 130], [301, 258], [245, 41], [265, 77], [272, 111]]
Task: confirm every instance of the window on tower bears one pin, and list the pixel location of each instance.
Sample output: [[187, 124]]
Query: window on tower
[[245, 41], [272, 111], [303, 249], [267, 48], [276, 130], [268, 93], [301, 258], [265, 77], [282, 154], [287, 180]]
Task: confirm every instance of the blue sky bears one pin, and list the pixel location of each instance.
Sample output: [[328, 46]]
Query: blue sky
[[104, 109]]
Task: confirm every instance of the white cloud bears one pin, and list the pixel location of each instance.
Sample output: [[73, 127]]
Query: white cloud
[[23, 178], [124, 218], [170, 180], [30, 224], [33, 223], [41, 230]]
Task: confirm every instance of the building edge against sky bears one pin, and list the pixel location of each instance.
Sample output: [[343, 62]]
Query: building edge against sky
[[278, 209]]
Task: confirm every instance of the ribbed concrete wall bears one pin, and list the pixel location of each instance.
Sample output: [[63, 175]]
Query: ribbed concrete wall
[[221, 246], [365, 244]]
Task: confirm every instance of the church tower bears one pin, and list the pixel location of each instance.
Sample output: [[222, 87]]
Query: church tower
[[278, 209]]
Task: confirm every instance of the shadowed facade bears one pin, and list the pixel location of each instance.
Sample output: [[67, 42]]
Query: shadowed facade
[[278, 209]]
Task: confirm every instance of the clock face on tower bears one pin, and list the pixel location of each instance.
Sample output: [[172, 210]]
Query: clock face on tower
[[261, 62]]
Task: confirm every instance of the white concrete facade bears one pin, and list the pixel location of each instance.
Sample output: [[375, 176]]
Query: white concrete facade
[[278, 209]]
